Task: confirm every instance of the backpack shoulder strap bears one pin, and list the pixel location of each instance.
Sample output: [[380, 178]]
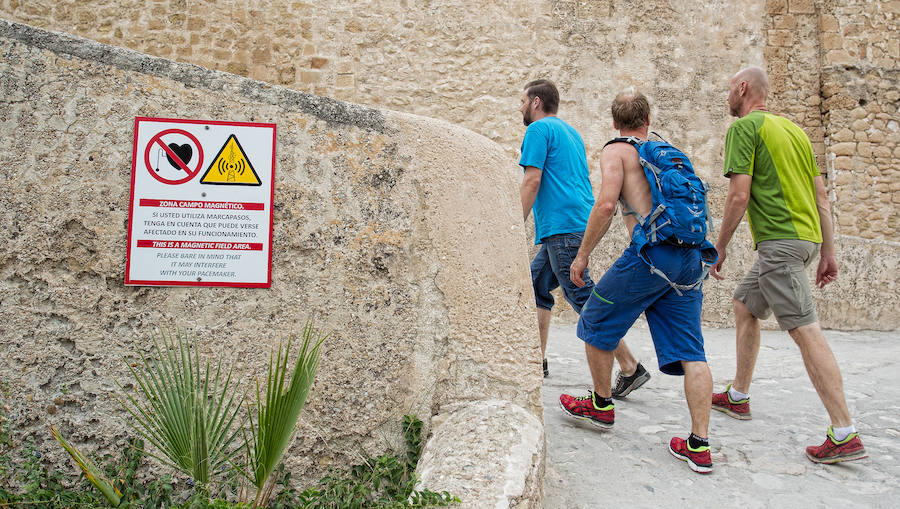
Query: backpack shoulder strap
[[631, 140], [654, 133], [635, 142]]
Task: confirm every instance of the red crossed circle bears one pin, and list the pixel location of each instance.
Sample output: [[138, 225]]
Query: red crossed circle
[[157, 139]]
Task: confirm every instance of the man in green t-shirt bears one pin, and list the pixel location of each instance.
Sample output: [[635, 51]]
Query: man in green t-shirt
[[774, 178]]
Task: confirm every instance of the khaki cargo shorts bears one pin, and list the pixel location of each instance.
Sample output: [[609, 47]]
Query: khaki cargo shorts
[[778, 283]]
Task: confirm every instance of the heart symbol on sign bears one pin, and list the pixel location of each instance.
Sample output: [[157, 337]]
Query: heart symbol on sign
[[184, 152]]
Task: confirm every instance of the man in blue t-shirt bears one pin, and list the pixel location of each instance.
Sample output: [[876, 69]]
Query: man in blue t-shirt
[[557, 188]]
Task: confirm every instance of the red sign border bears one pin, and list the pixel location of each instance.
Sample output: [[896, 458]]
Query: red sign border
[[136, 282]]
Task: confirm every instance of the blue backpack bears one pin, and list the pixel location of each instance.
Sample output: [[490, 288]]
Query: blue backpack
[[678, 214]]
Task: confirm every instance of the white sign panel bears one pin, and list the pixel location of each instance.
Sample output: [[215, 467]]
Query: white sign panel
[[201, 203]]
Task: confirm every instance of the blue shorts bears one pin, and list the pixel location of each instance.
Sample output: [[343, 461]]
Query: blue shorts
[[550, 270], [628, 289]]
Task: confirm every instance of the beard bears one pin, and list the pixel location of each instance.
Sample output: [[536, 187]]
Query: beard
[[734, 108], [526, 118]]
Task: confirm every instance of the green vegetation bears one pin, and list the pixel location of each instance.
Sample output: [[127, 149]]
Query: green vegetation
[[188, 415], [91, 472], [384, 482], [38, 486], [189, 411], [276, 420]]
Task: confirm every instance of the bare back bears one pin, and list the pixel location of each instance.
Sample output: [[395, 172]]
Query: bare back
[[635, 190]]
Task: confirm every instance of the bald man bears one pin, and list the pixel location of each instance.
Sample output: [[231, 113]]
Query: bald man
[[774, 178]]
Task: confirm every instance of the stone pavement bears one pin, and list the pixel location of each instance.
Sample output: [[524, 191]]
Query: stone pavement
[[757, 463]]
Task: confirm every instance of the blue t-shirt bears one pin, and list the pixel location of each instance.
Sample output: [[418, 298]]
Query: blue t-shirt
[[565, 198]]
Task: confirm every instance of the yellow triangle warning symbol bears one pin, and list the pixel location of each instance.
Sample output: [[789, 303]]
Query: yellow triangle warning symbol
[[231, 167]]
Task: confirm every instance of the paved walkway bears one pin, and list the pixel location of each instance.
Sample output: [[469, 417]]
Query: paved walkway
[[757, 463]]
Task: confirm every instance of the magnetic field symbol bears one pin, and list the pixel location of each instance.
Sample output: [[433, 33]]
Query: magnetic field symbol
[[231, 167]]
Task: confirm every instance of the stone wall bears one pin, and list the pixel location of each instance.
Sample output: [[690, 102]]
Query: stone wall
[[397, 233], [461, 61], [861, 91], [833, 66], [466, 62], [792, 60]]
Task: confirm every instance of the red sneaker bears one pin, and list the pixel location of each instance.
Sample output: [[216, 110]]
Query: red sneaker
[[722, 402], [584, 408], [832, 451], [699, 460]]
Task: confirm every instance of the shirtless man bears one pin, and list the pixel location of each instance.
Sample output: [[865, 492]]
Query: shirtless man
[[628, 289]]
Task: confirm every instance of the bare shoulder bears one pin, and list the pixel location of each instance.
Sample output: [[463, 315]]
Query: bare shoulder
[[621, 153]]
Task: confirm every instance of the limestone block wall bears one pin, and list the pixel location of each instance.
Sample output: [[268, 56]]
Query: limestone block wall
[[466, 62], [399, 234], [861, 91], [461, 61]]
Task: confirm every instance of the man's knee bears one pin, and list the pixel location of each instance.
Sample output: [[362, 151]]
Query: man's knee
[[604, 347], [807, 335], [741, 311], [695, 368]]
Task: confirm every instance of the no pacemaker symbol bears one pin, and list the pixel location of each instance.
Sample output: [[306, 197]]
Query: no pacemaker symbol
[[178, 155]]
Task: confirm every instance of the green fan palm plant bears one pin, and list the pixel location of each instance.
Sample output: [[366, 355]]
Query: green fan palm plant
[[278, 410], [188, 411]]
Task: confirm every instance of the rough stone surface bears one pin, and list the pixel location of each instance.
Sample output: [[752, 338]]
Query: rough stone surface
[[461, 61], [486, 468], [397, 233], [466, 62], [860, 79], [352, 200], [758, 463]]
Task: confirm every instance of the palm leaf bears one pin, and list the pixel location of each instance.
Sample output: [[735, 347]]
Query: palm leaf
[[91, 472], [189, 417], [278, 410]]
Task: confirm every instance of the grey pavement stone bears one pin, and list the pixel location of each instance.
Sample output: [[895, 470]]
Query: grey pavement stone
[[757, 463]]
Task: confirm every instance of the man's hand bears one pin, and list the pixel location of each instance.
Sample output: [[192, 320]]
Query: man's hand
[[576, 270], [827, 271], [828, 267], [717, 268]]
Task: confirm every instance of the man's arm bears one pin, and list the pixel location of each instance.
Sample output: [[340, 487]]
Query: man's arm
[[828, 267], [531, 182], [735, 206], [613, 174]]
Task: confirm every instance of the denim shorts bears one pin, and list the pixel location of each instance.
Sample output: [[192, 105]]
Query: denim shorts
[[778, 283], [628, 289], [550, 270]]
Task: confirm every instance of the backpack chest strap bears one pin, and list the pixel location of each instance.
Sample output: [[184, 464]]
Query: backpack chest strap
[[627, 210]]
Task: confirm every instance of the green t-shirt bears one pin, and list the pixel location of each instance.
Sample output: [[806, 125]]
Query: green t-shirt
[[779, 157]]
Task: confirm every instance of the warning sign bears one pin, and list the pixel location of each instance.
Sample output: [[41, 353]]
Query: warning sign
[[193, 228], [231, 167]]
